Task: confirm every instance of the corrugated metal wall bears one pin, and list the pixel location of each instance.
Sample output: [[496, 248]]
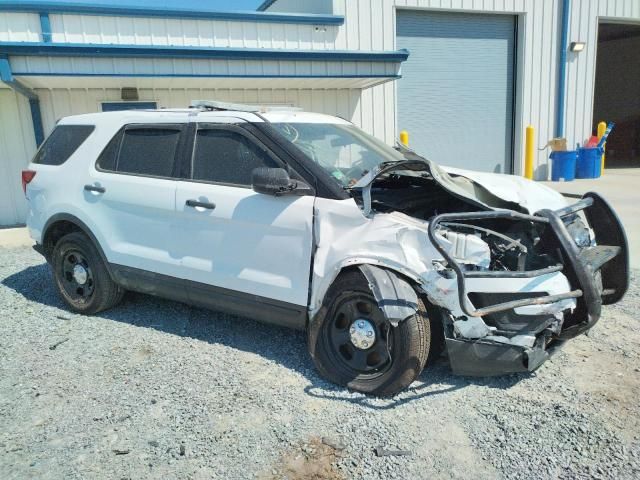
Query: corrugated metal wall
[[370, 24], [176, 31], [581, 66], [19, 27], [16, 144]]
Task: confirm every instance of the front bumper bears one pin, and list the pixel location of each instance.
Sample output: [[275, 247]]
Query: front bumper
[[598, 275]]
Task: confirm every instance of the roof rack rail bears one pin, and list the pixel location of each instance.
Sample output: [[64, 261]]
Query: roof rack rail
[[213, 105]]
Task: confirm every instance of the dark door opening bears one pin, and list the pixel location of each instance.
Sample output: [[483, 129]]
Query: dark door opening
[[617, 91]]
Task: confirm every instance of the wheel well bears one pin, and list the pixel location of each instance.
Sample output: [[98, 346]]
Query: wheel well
[[55, 232], [435, 312]]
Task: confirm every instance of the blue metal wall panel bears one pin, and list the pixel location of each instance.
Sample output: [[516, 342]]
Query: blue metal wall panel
[[456, 93]]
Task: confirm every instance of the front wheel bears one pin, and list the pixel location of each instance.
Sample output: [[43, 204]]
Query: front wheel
[[352, 343]]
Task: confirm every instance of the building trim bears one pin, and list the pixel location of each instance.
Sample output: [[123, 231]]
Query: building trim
[[7, 77], [170, 12], [169, 51], [45, 27], [191, 75]]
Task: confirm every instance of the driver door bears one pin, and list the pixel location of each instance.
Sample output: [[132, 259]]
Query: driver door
[[237, 245]]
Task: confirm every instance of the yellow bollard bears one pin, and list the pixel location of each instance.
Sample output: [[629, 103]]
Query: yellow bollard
[[602, 126], [404, 138], [529, 151]]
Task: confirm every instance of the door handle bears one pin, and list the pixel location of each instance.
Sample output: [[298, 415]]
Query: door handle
[[94, 188], [198, 203]]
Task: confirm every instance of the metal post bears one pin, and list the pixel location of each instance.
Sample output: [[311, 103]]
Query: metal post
[[602, 126], [529, 152], [404, 138], [562, 69]]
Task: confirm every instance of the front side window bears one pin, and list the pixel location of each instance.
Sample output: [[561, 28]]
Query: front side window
[[147, 150], [226, 156], [62, 143], [343, 150]]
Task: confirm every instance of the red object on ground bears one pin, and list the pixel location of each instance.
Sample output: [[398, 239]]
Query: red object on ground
[[592, 142]]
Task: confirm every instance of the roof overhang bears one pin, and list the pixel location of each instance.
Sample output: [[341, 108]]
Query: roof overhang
[[171, 51], [67, 65], [37, 81]]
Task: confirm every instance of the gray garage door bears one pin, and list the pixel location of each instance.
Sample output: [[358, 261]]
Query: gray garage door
[[455, 97]]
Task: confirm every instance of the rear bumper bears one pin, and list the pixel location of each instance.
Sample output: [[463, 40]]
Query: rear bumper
[[597, 275]]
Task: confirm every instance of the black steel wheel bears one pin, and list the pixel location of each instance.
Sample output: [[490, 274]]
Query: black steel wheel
[[352, 343], [77, 276], [359, 335], [81, 275]]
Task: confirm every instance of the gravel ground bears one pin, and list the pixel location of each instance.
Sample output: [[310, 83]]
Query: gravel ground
[[156, 389]]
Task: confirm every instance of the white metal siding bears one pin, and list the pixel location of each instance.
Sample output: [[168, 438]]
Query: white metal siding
[[371, 24], [19, 27], [581, 66], [74, 28], [17, 145]]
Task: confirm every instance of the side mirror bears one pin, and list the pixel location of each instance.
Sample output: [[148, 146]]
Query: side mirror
[[276, 181]]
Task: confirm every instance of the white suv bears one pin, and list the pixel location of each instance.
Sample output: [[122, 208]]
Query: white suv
[[304, 220]]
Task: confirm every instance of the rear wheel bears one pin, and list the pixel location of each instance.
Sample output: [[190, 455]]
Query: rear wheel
[[81, 275], [353, 344]]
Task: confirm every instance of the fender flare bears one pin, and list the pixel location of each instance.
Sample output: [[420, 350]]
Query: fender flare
[[395, 296], [67, 217]]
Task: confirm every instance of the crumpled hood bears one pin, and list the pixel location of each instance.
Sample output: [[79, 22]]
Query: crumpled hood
[[528, 194]]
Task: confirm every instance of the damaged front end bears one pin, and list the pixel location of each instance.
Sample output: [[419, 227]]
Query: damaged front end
[[511, 310], [514, 269]]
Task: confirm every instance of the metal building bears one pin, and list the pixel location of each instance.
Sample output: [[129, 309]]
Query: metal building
[[473, 75]]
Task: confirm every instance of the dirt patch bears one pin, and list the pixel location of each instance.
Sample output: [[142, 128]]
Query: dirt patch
[[313, 460]]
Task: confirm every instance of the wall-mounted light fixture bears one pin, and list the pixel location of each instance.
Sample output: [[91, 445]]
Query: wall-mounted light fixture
[[576, 47]]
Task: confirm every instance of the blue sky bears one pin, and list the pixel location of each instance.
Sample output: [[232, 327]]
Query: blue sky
[[224, 5]]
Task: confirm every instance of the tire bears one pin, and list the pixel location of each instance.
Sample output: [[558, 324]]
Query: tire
[[75, 252], [407, 344]]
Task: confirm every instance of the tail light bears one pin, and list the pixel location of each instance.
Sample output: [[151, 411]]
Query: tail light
[[27, 176]]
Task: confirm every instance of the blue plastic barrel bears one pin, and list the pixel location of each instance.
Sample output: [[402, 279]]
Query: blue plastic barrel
[[589, 163], [563, 165]]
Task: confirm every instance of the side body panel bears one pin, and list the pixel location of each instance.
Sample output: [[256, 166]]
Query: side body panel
[[252, 243]]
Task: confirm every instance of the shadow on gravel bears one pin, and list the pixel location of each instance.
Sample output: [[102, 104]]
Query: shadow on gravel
[[280, 345]]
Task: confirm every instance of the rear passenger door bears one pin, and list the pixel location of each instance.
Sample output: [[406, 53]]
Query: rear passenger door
[[234, 239], [132, 196]]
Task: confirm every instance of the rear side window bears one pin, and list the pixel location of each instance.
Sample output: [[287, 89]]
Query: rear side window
[[142, 150], [60, 145], [226, 156]]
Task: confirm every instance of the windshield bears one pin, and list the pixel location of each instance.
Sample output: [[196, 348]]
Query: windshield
[[344, 151]]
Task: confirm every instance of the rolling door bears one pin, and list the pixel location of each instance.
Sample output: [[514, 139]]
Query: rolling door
[[456, 94]]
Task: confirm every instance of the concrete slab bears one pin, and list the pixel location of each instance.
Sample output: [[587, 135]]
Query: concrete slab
[[621, 188], [15, 237]]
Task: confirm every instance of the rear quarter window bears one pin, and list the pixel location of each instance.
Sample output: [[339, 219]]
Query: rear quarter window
[[144, 150], [62, 143]]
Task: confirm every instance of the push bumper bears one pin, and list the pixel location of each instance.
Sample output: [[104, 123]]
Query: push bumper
[[598, 275]]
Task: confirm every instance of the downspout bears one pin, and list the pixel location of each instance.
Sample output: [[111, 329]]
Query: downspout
[[6, 76], [562, 69]]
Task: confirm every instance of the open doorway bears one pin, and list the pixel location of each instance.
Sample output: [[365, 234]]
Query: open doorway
[[617, 91]]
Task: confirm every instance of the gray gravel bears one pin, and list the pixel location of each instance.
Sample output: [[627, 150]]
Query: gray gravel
[[156, 389]]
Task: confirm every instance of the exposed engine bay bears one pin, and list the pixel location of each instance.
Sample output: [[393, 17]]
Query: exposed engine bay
[[503, 258]]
